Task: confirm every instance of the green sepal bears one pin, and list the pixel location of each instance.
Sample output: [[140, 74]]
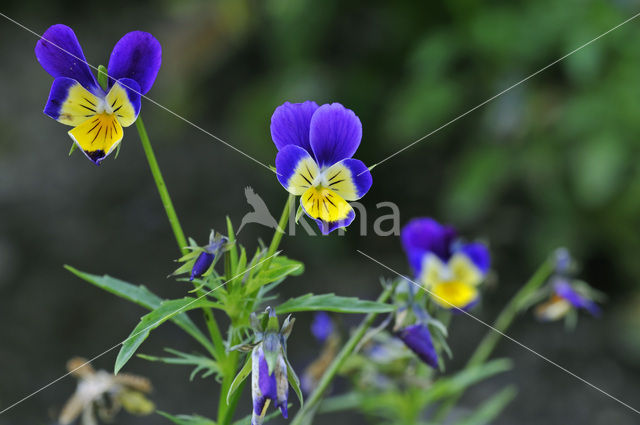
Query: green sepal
[[240, 377], [294, 381], [73, 148], [271, 355], [103, 77], [118, 150]]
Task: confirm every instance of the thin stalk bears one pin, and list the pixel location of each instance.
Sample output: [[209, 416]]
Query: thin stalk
[[225, 412], [502, 323], [162, 187], [209, 318], [316, 397]]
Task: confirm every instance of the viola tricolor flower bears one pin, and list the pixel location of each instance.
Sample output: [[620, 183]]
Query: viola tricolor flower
[[566, 292], [97, 114], [418, 339], [449, 269], [565, 296], [315, 148]]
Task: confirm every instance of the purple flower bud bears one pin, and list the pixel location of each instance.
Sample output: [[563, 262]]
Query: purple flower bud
[[267, 388], [202, 264], [562, 260], [321, 327], [418, 339]]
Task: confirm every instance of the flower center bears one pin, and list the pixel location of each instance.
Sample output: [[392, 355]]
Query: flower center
[[103, 107]]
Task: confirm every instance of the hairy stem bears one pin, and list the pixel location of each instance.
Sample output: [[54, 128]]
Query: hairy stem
[[502, 323], [316, 397]]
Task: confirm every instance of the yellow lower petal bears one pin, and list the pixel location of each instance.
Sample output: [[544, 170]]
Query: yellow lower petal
[[325, 204], [454, 294], [98, 136]]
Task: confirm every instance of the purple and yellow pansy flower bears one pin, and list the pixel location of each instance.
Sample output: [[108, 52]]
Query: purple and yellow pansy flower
[[315, 148], [448, 269], [97, 114]]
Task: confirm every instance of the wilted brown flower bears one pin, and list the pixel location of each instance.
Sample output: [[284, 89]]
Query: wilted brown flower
[[101, 394]]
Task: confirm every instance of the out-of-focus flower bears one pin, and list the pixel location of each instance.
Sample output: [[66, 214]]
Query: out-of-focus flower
[[450, 270], [322, 330], [322, 326], [102, 394], [418, 338], [97, 114], [566, 292], [565, 296], [205, 259], [412, 322], [315, 148]]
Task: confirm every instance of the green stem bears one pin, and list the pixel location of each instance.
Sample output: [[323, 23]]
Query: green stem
[[316, 397], [162, 187], [225, 412], [280, 231], [502, 323], [209, 318]]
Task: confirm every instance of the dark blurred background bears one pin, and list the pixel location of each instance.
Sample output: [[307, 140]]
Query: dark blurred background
[[551, 163]]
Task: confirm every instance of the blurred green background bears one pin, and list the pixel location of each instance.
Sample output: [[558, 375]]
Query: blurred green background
[[550, 163]]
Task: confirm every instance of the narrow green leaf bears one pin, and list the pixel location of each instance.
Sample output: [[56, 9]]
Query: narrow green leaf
[[448, 386], [139, 294], [186, 419], [279, 268], [332, 302], [240, 377], [233, 251], [201, 363], [165, 311], [490, 409]]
